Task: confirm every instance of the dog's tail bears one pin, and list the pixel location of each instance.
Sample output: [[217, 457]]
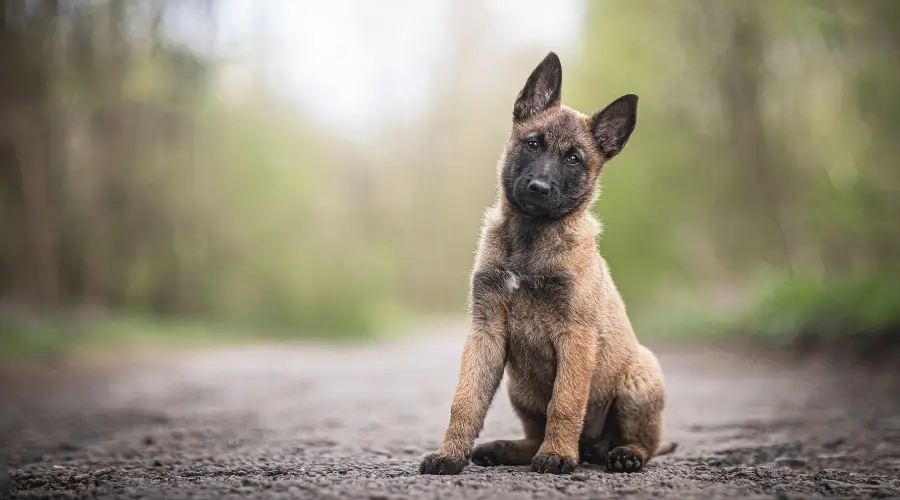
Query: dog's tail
[[665, 448]]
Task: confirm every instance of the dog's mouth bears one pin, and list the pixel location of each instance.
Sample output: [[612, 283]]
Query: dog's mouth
[[531, 207], [534, 209]]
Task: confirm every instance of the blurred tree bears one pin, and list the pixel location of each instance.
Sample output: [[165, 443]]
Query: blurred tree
[[764, 146], [131, 180]]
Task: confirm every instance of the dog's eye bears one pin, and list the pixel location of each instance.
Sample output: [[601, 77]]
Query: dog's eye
[[532, 144], [573, 160]]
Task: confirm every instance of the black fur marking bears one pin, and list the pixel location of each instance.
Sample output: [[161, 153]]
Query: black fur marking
[[592, 453], [525, 234], [600, 418], [600, 433], [488, 454], [487, 281], [485, 285], [555, 290], [501, 452]]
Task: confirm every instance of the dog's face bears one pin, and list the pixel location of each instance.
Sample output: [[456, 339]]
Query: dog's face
[[553, 160]]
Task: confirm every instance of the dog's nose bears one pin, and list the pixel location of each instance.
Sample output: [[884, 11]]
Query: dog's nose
[[539, 188]]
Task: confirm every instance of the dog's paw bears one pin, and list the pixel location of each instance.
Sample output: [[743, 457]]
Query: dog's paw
[[624, 459], [504, 453], [442, 464], [592, 453], [551, 463], [488, 454]]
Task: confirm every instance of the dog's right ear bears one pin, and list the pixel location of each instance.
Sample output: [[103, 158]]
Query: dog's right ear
[[614, 124], [542, 89]]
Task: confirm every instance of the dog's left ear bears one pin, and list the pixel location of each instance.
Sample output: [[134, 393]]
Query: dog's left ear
[[542, 89], [613, 126]]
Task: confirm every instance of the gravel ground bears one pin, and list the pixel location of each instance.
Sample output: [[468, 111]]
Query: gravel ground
[[317, 422]]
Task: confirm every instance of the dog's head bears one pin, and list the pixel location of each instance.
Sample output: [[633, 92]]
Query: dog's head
[[555, 154]]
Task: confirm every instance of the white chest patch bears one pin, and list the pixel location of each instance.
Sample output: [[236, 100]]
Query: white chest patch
[[512, 282]]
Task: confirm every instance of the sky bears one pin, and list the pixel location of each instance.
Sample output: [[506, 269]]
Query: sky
[[337, 57]]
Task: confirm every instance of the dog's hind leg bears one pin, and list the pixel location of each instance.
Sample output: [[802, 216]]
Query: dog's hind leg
[[599, 431], [514, 451], [638, 410]]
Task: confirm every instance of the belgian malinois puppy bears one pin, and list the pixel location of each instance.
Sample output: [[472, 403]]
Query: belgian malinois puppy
[[544, 307]]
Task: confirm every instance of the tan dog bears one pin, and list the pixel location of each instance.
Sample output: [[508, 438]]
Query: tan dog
[[544, 306]]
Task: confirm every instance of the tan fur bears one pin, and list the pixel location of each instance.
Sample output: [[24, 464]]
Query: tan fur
[[547, 311]]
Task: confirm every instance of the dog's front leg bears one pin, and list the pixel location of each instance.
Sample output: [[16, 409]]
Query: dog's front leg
[[575, 354], [481, 368]]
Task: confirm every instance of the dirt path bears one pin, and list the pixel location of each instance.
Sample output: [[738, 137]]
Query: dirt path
[[352, 423]]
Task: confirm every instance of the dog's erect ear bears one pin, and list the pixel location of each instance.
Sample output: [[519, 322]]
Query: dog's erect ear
[[541, 91], [613, 126]]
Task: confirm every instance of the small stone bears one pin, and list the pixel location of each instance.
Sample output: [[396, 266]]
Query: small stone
[[103, 472]]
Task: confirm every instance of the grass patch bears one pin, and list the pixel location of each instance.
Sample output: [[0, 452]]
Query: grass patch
[[790, 309], [64, 335], [58, 336], [866, 306]]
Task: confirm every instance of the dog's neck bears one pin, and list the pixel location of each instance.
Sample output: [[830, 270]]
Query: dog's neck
[[525, 235]]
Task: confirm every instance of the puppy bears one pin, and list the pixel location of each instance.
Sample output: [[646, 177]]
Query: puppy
[[544, 307]]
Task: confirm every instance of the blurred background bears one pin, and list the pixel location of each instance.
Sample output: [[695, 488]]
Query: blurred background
[[212, 170]]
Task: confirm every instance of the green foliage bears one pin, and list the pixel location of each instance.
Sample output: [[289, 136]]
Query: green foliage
[[759, 157], [765, 151], [840, 307], [266, 257], [179, 201], [786, 311], [53, 337]]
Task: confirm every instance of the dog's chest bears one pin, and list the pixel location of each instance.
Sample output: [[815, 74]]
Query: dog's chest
[[537, 308], [536, 302]]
